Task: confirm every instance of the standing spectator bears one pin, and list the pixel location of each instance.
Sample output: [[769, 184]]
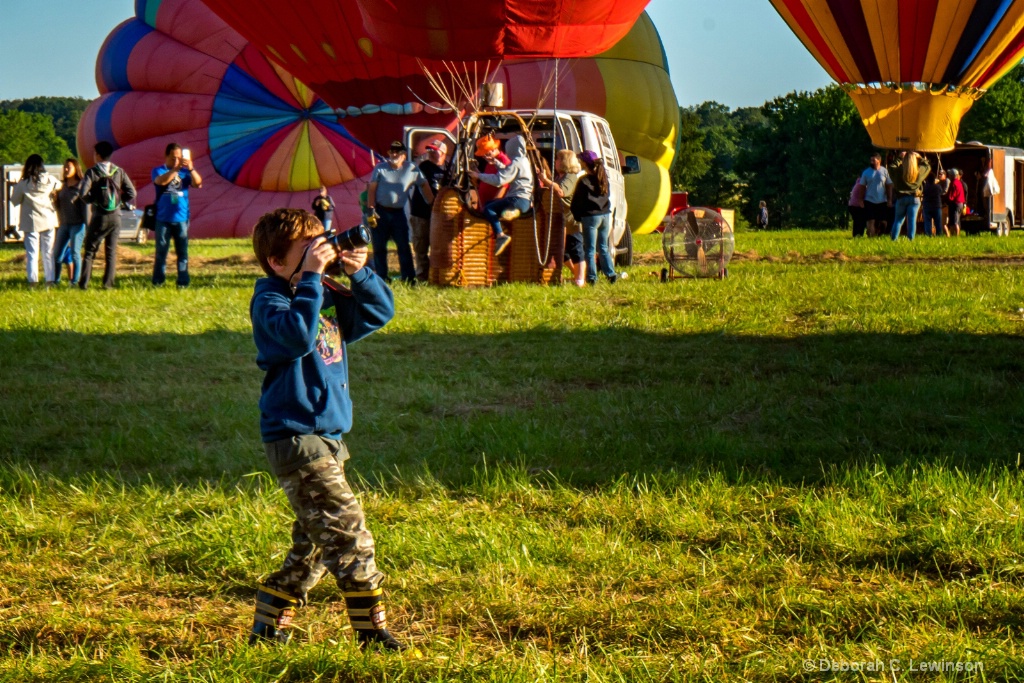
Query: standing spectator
[[567, 174], [433, 169], [105, 188], [591, 206], [73, 215], [172, 182], [762, 215], [909, 170], [518, 175], [856, 208], [877, 194], [956, 198], [323, 207], [388, 195], [931, 204], [35, 194]]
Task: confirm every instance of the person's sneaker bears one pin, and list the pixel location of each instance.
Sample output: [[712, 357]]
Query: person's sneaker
[[509, 215], [613, 278], [500, 243]]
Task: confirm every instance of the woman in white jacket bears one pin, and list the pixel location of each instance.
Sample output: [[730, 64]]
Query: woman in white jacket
[[34, 193]]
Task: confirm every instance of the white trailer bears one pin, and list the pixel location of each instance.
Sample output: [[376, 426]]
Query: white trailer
[[10, 214]]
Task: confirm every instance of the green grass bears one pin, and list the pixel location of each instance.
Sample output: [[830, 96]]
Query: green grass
[[816, 458]]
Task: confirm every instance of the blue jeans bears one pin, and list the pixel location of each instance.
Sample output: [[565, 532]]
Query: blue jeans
[[165, 232], [492, 212], [72, 236], [906, 210], [595, 234], [392, 225], [932, 218]]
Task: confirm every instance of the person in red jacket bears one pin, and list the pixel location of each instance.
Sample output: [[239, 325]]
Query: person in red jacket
[[956, 198]]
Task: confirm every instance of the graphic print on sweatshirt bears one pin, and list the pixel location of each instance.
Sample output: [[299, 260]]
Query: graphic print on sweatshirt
[[328, 337]]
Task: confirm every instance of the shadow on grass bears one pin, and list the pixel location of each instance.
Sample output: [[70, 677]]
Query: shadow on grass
[[588, 407]]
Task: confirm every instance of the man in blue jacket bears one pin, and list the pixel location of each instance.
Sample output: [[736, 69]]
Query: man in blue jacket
[[302, 323]]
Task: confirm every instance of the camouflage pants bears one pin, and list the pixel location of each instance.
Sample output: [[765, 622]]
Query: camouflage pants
[[329, 533]]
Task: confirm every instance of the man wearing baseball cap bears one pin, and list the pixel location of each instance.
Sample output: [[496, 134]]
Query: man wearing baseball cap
[[433, 169], [391, 184]]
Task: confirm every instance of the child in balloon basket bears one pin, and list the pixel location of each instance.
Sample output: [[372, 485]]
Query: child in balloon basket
[[302, 325]]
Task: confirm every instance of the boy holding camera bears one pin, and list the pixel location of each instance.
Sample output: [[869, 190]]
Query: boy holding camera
[[301, 327]]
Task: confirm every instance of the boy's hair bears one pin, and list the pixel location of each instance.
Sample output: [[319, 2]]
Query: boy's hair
[[275, 232]]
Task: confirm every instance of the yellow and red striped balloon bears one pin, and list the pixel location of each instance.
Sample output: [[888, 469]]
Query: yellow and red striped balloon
[[912, 67]]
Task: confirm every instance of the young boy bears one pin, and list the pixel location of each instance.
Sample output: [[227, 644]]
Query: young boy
[[301, 324]]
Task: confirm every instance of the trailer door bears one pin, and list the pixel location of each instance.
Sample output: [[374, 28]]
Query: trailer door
[[1018, 191]]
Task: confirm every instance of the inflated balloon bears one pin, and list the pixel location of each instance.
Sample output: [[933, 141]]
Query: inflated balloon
[[323, 43], [260, 139], [912, 67], [466, 30]]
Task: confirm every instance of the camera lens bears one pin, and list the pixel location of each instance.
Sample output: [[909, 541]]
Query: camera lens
[[353, 238]]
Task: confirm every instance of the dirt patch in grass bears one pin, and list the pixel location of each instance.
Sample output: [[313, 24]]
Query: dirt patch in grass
[[839, 256]]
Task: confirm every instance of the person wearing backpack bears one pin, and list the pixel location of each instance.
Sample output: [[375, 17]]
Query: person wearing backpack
[[172, 182], [105, 188]]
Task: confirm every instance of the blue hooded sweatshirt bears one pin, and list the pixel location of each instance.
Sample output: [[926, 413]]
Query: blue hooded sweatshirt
[[301, 342]]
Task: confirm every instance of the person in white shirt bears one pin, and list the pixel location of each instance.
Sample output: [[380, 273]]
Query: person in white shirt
[[35, 194]]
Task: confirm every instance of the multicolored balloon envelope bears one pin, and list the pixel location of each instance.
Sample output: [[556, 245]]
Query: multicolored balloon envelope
[[467, 30], [912, 67], [262, 139]]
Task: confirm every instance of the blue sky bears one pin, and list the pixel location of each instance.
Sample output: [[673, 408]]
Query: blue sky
[[738, 52]]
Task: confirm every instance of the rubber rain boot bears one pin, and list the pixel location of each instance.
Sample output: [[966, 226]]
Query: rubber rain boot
[[274, 613], [367, 616]]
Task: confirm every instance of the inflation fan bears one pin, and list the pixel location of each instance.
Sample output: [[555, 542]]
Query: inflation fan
[[697, 242]]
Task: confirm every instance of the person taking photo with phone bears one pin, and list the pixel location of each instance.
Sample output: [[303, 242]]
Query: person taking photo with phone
[[172, 182]]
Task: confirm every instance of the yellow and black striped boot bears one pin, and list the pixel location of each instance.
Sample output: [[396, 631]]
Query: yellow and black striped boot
[[274, 613], [368, 619]]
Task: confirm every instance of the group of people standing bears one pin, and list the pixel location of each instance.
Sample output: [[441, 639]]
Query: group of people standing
[[506, 191], [894, 195], [81, 211]]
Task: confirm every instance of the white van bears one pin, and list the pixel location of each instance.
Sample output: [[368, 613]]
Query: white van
[[575, 130]]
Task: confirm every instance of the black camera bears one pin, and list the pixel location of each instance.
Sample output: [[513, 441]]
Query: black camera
[[353, 238]]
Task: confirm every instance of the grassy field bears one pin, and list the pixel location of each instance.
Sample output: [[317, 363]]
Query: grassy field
[[818, 458]]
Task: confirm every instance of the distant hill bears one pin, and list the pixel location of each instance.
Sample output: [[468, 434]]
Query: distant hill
[[65, 112]]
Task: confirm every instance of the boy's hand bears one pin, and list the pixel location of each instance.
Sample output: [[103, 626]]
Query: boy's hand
[[353, 260], [319, 254]]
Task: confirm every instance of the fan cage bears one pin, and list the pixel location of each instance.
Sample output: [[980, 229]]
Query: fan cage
[[698, 242]]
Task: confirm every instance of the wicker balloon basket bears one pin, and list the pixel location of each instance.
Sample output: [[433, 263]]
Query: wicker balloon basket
[[462, 246]]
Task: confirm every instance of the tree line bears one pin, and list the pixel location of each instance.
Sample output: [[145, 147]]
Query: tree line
[[801, 152], [47, 126]]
